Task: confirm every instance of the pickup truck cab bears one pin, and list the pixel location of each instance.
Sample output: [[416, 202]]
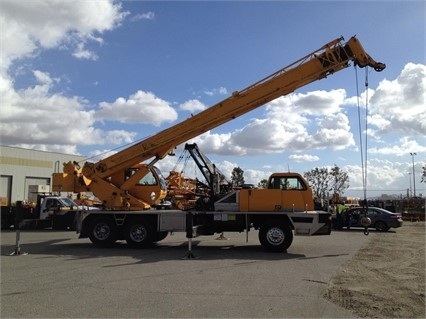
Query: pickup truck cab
[[57, 212]]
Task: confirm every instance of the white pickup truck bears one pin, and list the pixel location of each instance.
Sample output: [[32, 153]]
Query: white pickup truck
[[56, 212]]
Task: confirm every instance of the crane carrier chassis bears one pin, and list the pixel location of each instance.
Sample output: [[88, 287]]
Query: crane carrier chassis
[[285, 207], [143, 228]]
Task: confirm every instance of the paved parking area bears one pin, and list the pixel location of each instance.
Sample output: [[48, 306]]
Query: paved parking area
[[63, 276]]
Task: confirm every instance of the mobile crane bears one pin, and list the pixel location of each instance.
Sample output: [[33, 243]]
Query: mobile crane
[[129, 188]]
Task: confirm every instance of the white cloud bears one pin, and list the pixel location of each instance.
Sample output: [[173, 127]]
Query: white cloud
[[396, 106], [37, 118], [98, 155], [401, 147], [399, 105], [43, 77], [382, 176], [143, 16], [270, 135], [226, 167], [221, 91], [292, 119], [316, 103], [141, 107], [31, 25], [217, 144], [59, 148], [192, 106], [333, 132], [252, 176], [303, 158], [274, 134], [119, 137], [82, 53], [314, 120]]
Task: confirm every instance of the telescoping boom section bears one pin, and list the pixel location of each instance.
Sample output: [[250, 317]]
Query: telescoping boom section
[[121, 182]]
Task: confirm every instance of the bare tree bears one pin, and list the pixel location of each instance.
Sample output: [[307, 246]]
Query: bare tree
[[324, 180], [340, 180], [319, 180]]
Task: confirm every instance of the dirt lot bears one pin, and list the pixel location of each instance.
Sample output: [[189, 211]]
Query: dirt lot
[[385, 279]]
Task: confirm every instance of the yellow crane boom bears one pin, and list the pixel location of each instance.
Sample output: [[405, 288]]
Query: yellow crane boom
[[118, 193]]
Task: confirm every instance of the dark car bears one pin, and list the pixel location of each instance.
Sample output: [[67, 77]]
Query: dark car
[[381, 219]]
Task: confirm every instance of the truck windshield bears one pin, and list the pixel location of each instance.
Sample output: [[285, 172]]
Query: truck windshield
[[65, 201]]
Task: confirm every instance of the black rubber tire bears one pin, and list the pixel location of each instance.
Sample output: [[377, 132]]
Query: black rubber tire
[[103, 231], [159, 236], [276, 236], [138, 233], [381, 226]]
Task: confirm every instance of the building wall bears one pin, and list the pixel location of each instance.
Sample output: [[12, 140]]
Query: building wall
[[20, 168]]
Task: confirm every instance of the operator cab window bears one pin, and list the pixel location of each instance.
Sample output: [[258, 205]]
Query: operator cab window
[[286, 183], [148, 179]]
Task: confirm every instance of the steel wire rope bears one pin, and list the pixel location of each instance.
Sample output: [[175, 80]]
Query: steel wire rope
[[363, 168], [366, 133], [179, 160], [100, 155], [185, 163], [363, 159], [360, 134]]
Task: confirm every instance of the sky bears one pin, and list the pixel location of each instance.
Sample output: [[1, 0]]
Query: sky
[[93, 77]]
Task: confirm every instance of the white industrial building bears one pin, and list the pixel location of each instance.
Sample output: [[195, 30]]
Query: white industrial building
[[21, 168]]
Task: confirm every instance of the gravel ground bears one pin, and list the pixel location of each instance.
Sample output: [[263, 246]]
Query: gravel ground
[[386, 278]]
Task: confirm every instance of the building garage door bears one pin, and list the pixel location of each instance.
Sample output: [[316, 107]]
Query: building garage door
[[6, 187]]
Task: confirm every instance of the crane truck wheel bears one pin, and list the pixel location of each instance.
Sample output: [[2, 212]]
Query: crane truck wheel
[[159, 236], [103, 231], [275, 236], [138, 233]]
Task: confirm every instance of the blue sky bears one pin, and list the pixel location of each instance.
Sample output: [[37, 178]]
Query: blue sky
[[88, 77]]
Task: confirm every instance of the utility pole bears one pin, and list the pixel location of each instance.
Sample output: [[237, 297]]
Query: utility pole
[[414, 175]]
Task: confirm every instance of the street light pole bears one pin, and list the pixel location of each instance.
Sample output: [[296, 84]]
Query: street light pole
[[410, 185], [414, 175]]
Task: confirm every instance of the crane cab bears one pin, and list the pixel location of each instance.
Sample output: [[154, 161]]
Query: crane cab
[[140, 183]]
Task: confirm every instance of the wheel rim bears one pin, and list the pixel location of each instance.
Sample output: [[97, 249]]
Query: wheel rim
[[275, 236], [138, 233], [102, 231]]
